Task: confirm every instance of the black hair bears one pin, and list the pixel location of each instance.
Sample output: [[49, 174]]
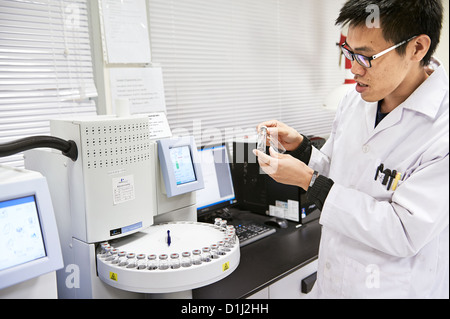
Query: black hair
[[399, 20]]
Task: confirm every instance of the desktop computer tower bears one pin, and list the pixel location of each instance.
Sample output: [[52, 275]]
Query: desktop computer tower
[[255, 191]]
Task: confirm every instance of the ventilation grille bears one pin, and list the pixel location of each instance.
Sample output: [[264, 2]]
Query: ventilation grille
[[113, 145]]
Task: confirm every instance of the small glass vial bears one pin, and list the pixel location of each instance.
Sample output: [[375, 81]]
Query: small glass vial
[[106, 252], [141, 263], [152, 263], [186, 259], [163, 262], [196, 257], [262, 139], [223, 223], [227, 244], [222, 250], [206, 254], [122, 258], [175, 261], [215, 251], [131, 260], [114, 258], [217, 221], [232, 236]]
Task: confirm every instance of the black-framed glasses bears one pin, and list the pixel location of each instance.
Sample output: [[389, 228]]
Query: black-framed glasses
[[366, 61]]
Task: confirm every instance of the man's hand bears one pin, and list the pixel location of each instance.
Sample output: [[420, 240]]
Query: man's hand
[[285, 169], [286, 135]]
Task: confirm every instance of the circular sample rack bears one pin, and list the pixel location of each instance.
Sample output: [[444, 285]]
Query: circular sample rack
[[169, 257]]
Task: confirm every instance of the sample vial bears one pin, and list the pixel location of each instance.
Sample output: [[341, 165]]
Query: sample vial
[[227, 244], [223, 223], [206, 254], [106, 252], [152, 263], [222, 250], [231, 232], [186, 259], [131, 260], [122, 258], [163, 262], [196, 257], [114, 258], [232, 237], [215, 251], [141, 263], [174, 261], [262, 139], [217, 221]]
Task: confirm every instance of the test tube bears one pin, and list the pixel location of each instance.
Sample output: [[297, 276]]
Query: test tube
[[152, 263], [223, 223], [186, 259], [196, 257], [163, 262], [174, 261], [141, 262]]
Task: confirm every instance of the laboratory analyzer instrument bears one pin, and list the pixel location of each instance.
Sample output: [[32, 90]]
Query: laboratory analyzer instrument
[[126, 211]]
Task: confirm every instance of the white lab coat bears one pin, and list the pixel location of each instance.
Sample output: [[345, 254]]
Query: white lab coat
[[379, 243]]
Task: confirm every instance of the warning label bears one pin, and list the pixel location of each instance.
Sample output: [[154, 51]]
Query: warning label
[[113, 276], [226, 266]]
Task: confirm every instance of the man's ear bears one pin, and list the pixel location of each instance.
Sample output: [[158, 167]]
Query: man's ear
[[419, 47]]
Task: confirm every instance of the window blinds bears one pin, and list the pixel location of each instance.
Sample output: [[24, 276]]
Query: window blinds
[[45, 66], [230, 64]]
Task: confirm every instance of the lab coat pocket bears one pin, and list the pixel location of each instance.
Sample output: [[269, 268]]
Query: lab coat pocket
[[358, 279], [370, 180]]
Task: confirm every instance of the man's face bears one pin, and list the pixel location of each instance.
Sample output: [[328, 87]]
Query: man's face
[[387, 75]]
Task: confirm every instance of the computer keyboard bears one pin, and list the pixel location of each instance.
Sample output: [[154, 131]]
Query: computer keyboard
[[251, 232]]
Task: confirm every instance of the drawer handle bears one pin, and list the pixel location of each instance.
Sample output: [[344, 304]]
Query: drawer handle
[[308, 283]]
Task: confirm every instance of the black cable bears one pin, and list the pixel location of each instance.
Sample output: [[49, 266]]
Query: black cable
[[68, 148]]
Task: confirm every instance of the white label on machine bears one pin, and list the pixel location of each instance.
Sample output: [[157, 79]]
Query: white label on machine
[[123, 189]]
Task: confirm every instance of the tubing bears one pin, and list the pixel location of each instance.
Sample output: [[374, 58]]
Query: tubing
[[68, 148]]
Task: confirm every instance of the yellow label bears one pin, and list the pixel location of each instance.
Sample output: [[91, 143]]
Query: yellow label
[[113, 276], [226, 266]]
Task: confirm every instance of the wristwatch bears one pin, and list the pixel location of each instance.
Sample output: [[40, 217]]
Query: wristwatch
[[313, 178]]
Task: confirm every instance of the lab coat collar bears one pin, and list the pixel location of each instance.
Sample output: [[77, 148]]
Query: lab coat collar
[[426, 99]]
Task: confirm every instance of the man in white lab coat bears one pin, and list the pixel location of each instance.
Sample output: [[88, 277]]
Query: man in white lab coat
[[382, 179]]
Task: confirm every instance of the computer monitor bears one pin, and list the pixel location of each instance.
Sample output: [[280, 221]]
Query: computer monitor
[[219, 191], [29, 241], [180, 167]]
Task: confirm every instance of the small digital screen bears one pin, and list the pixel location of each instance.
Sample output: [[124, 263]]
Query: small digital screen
[[21, 238], [183, 167]]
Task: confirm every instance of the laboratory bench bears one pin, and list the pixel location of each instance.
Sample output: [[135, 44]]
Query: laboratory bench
[[266, 262]]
